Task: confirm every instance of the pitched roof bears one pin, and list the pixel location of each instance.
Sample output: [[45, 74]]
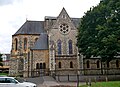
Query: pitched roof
[[31, 27], [76, 21], [42, 42]]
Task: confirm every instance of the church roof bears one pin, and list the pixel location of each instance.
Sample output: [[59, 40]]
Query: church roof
[[31, 27], [42, 42], [76, 21]]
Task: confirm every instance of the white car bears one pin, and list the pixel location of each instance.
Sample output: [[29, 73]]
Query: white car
[[12, 82]]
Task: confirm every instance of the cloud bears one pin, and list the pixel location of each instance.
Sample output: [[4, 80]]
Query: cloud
[[14, 13], [7, 2]]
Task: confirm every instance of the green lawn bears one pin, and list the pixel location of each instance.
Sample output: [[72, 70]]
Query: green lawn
[[2, 74], [104, 84]]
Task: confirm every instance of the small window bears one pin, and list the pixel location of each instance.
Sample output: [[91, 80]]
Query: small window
[[59, 64], [41, 67], [37, 66], [25, 43], [88, 64], [98, 64], [16, 44], [44, 66], [117, 63], [71, 64], [63, 16]]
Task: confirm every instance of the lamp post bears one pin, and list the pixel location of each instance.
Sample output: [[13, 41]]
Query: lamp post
[[78, 73], [79, 66], [55, 70]]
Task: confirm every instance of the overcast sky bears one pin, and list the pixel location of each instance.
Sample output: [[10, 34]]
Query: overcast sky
[[13, 13]]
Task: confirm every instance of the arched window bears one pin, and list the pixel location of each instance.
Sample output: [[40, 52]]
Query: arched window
[[41, 67], [117, 63], [71, 64], [70, 46], [16, 44], [59, 46], [44, 66], [88, 64], [25, 43], [59, 65], [98, 64], [37, 66]]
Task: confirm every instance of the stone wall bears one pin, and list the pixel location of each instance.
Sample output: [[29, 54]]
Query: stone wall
[[103, 69]]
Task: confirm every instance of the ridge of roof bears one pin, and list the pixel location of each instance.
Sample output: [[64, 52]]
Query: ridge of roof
[[31, 27]]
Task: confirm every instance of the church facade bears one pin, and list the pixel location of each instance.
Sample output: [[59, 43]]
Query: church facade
[[49, 47], [45, 46]]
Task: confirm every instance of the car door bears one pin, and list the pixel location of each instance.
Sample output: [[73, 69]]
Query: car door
[[11, 82], [8, 82]]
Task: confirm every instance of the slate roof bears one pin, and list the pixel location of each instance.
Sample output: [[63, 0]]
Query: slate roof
[[31, 27], [42, 42], [76, 21]]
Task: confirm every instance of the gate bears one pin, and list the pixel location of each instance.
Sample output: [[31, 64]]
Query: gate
[[42, 72], [42, 69]]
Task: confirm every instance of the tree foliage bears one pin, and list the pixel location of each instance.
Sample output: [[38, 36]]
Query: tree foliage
[[99, 31], [1, 64]]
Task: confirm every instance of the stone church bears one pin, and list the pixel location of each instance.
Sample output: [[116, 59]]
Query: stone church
[[49, 47], [45, 47]]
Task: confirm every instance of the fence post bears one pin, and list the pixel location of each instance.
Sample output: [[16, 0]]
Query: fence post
[[58, 78], [106, 78], [95, 79], [89, 81], [77, 80], [86, 81], [68, 77]]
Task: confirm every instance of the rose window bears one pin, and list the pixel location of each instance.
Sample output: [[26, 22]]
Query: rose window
[[64, 28]]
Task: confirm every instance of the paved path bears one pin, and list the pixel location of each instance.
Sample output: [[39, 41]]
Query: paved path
[[48, 81], [36, 80]]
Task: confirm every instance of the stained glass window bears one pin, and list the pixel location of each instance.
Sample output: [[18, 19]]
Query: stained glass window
[[64, 28], [70, 46], [59, 46]]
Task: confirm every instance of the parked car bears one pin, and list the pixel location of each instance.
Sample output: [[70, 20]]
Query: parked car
[[12, 82]]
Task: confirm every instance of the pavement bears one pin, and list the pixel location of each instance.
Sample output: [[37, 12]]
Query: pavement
[[48, 81]]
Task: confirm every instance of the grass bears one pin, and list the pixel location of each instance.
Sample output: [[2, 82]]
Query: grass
[[3, 74], [104, 84]]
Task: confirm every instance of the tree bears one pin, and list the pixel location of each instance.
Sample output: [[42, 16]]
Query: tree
[[99, 31], [1, 64]]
